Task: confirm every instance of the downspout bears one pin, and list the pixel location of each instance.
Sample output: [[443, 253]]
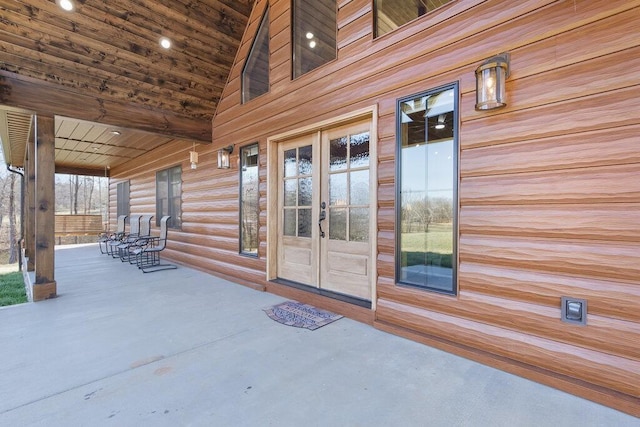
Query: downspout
[[20, 240]]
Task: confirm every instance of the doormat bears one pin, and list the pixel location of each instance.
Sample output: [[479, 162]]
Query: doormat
[[293, 313]]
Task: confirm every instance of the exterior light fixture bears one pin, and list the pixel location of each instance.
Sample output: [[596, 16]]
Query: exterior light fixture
[[193, 157], [490, 82], [165, 42], [309, 35], [223, 157], [65, 5], [312, 44], [115, 132]]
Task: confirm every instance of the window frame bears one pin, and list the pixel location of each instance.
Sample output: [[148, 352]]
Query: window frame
[[241, 249], [175, 222], [455, 86], [264, 22]]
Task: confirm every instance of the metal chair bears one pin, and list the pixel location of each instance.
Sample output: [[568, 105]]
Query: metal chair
[[147, 255], [134, 231], [132, 240], [106, 237]]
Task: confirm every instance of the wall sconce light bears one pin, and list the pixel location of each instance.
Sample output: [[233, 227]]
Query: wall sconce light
[[490, 81], [223, 157], [193, 157]]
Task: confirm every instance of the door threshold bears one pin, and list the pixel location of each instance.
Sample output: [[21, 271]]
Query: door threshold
[[325, 293]]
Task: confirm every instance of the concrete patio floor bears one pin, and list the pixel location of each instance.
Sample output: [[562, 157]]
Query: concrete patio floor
[[184, 348]]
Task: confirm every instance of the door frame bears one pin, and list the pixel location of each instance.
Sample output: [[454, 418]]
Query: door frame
[[367, 113]]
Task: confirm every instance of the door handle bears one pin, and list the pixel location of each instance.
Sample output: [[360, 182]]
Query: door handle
[[322, 217]]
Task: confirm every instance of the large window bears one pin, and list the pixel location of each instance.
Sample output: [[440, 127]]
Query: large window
[[123, 198], [249, 200], [314, 34], [428, 175], [390, 14], [169, 195], [255, 74]]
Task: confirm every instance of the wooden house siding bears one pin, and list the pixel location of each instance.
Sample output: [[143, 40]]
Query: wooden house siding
[[549, 195]]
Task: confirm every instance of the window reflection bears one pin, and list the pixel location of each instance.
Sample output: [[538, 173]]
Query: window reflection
[[390, 14], [314, 34], [169, 196], [428, 185], [249, 200]]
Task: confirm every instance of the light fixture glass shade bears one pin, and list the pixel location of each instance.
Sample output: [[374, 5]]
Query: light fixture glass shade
[[193, 158], [223, 157], [490, 82]]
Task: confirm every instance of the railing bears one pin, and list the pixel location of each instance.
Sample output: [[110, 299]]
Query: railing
[[78, 225]]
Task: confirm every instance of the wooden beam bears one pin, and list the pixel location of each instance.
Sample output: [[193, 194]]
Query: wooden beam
[[30, 203], [45, 284], [73, 170], [49, 99]]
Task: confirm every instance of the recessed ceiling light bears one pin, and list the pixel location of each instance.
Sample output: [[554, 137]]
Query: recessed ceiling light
[[165, 42], [65, 4], [312, 44], [309, 35]]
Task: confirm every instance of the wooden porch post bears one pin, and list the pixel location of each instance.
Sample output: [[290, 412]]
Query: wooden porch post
[[45, 285], [30, 202]]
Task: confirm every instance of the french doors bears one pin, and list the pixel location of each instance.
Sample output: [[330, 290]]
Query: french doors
[[324, 210]]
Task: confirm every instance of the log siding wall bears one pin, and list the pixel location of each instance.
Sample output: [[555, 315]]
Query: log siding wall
[[549, 190]]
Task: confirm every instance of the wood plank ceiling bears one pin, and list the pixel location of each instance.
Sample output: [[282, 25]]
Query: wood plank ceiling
[[100, 68]]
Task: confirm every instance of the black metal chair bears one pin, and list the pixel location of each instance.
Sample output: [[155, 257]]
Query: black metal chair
[[147, 254], [107, 237]]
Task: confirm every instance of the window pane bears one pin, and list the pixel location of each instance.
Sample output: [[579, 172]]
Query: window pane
[[338, 224], [123, 198], [290, 163], [338, 154], [290, 192], [359, 156], [314, 34], [305, 160], [428, 162], [359, 224], [359, 189], [304, 192], [338, 189], [304, 222], [290, 222], [249, 200], [255, 75], [390, 14], [169, 196]]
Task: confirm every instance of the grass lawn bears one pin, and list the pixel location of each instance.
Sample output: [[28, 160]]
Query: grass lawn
[[432, 248], [12, 289], [439, 239]]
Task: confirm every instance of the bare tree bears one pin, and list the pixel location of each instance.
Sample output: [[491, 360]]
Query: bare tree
[[74, 187], [13, 233], [88, 193]]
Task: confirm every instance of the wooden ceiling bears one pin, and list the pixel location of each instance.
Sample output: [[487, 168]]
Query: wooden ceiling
[[101, 66]]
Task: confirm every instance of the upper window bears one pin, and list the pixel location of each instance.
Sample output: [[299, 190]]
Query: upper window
[[314, 34], [169, 195], [123, 198], [249, 200], [390, 14], [427, 191], [255, 75]]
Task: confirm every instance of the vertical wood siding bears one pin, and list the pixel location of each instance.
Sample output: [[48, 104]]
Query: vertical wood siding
[[549, 187]]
